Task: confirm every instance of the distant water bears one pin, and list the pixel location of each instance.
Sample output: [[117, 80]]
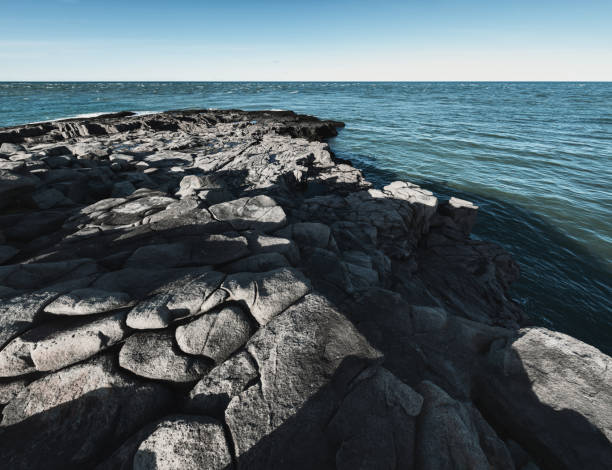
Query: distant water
[[536, 157]]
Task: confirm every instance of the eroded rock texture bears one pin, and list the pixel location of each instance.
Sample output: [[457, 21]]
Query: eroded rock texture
[[213, 289]]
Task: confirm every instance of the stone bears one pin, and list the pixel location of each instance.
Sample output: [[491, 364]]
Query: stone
[[259, 243], [18, 313], [208, 250], [37, 275], [10, 388], [153, 355], [50, 347], [72, 415], [454, 435], [7, 252], [150, 314], [216, 334], [307, 233], [251, 213], [87, 301], [376, 422], [185, 442], [213, 392], [257, 263], [48, 198], [267, 294], [9, 148], [551, 393]]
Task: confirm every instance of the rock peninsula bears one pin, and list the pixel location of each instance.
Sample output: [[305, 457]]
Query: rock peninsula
[[216, 290]]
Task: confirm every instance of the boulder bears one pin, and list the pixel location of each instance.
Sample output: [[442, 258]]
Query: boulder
[[267, 294], [87, 301], [454, 435], [70, 417], [50, 347], [213, 392], [150, 314], [215, 334], [551, 393], [153, 355], [185, 442], [251, 213]]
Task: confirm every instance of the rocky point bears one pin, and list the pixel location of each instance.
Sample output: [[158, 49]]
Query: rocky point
[[215, 290]]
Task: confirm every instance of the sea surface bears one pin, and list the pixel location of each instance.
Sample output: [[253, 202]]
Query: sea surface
[[536, 158]]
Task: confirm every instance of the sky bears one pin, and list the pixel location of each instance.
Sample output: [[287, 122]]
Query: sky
[[235, 40]]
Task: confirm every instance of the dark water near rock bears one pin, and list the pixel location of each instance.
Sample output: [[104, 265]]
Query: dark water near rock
[[536, 157]]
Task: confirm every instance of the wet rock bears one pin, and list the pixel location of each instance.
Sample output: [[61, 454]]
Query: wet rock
[[154, 356], [72, 415], [213, 392], [215, 334], [255, 213], [185, 442], [87, 301], [267, 294]]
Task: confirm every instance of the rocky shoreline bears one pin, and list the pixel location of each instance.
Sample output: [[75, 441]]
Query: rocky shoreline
[[214, 289]]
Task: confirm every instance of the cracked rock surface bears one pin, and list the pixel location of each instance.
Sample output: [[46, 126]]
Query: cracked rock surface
[[215, 290]]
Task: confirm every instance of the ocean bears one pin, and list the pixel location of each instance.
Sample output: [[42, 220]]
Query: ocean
[[536, 158]]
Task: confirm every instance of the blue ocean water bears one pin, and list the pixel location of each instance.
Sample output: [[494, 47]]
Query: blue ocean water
[[536, 158]]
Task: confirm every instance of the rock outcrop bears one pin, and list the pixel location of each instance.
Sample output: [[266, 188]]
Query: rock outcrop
[[214, 289]]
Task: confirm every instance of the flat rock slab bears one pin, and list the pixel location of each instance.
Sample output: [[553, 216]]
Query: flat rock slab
[[267, 294], [71, 416], [213, 392], [186, 442], [150, 314], [154, 355], [216, 334], [255, 213], [49, 347], [88, 301]]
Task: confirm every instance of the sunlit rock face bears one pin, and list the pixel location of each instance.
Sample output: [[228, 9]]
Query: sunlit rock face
[[212, 289]]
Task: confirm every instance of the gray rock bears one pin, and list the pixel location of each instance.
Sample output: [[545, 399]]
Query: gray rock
[[255, 213], [208, 250], [306, 356], [10, 388], [37, 275], [454, 435], [551, 393], [259, 243], [8, 148], [185, 442], [70, 416], [7, 252], [48, 198], [375, 424], [258, 263], [123, 189], [267, 294], [87, 301], [153, 355], [307, 233], [215, 334], [213, 392], [150, 314], [18, 313]]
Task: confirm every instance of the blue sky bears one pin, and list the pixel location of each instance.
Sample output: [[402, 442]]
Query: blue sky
[[309, 40]]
